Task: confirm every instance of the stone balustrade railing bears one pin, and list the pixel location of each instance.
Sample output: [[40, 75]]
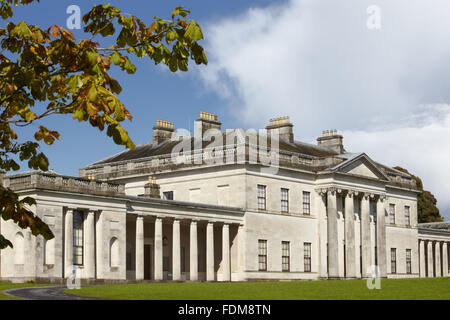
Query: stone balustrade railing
[[51, 181], [236, 154]]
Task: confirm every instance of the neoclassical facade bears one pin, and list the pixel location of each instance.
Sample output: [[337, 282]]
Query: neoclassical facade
[[226, 205]]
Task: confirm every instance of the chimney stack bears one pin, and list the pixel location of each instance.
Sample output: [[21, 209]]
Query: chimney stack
[[283, 127], [152, 189], [162, 131], [331, 139], [206, 122]]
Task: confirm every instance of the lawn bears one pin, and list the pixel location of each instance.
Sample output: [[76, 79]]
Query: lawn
[[407, 289], [7, 286]]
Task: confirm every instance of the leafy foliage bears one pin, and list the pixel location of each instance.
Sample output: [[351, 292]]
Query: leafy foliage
[[427, 210], [49, 66]]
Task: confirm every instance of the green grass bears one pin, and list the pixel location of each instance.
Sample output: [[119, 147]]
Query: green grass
[[7, 286], [404, 289]]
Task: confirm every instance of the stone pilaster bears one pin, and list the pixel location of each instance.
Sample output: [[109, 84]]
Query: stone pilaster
[[158, 249], [381, 235], [210, 252], [422, 261], [68, 243], [350, 250], [437, 259], [90, 245], [365, 235], [445, 259], [226, 267], [333, 239], [140, 248], [176, 256], [193, 252], [430, 259]]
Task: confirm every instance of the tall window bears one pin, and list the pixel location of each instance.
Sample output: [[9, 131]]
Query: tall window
[[168, 195], [392, 213], [407, 216], [78, 218], [408, 261], [307, 256], [261, 197], [284, 200], [262, 255], [285, 256], [306, 203], [393, 260]]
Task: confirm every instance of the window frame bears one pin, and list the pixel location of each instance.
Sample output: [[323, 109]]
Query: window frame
[[78, 238], [408, 261], [407, 216], [392, 209], [285, 256], [262, 255], [307, 252], [284, 201], [393, 260], [306, 204], [166, 193], [263, 198]]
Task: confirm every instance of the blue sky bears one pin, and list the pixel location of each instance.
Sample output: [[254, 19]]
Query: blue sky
[[386, 90], [150, 94]]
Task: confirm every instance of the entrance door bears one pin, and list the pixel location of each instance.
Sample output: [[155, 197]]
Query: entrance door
[[148, 262]]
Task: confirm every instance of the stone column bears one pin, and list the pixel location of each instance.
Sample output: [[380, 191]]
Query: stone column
[[210, 252], [381, 236], [158, 249], [444, 259], [176, 256], [226, 276], [437, 258], [333, 240], [140, 248], [68, 243], [90, 245], [430, 259], [365, 235], [193, 250], [350, 253], [422, 261]]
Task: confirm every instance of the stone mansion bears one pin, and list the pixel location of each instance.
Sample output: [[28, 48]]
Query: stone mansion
[[226, 205]]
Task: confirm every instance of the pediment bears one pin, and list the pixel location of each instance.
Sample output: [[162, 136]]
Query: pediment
[[362, 166]]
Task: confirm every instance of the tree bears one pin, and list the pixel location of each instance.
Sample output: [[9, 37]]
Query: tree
[[44, 72], [427, 210]]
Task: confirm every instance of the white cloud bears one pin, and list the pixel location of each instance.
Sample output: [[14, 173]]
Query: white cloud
[[316, 61]]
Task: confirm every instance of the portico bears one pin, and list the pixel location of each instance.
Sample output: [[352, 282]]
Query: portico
[[351, 223], [182, 249]]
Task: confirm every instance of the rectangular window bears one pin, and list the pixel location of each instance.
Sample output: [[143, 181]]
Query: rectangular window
[[262, 255], [168, 195], [307, 256], [407, 216], [392, 213], [306, 203], [285, 256], [78, 235], [408, 261], [261, 197], [393, 260], [284, 200]]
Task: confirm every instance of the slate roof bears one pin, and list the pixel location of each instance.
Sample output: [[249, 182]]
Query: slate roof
[[166, 147]]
